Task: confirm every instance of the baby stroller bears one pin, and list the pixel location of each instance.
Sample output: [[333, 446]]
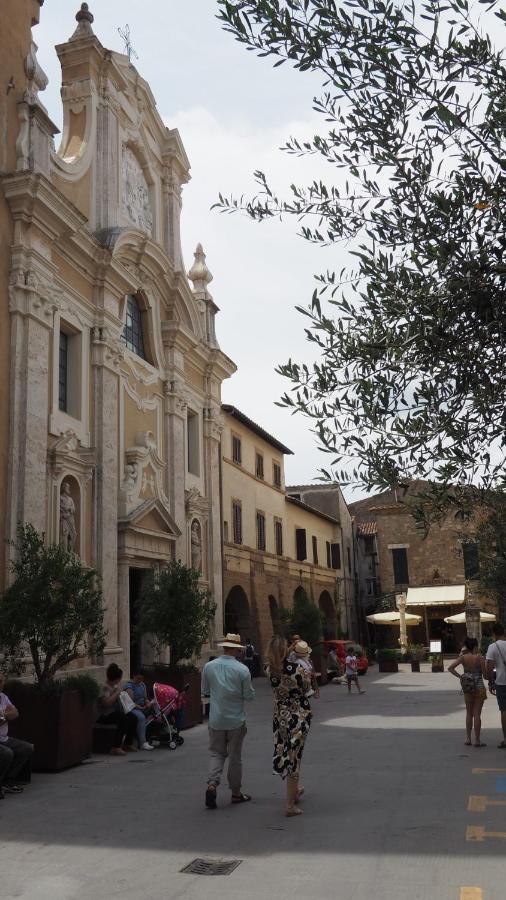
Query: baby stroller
[[166, 718]]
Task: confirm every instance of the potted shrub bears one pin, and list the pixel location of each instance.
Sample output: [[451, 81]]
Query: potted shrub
[[177, 613], [436, 659], [53, 609], [388, 660], [417, 655]]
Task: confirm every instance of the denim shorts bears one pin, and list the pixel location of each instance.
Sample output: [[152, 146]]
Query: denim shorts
[[501, 696]]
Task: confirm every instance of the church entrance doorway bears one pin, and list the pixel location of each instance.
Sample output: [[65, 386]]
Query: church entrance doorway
[[135, 582]]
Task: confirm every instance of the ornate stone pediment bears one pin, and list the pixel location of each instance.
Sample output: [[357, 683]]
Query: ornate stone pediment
[[152, 516]]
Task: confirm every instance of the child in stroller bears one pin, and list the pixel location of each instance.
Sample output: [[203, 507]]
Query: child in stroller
[[167, 715]]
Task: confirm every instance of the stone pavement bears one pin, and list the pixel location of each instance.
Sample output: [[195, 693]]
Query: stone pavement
[[388, 784]]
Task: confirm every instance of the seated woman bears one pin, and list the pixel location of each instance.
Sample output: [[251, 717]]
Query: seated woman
[[111, 712], [136, 690]]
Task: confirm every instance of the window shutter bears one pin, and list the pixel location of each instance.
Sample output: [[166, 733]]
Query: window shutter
[[471, 559], [400, 564], [329, 561], [300, 543], [315, 550], [335, 555]]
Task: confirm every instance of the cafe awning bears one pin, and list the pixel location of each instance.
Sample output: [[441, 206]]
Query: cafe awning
[[441, 595]]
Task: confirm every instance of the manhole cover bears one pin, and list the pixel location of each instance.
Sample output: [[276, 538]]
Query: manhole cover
[[212, 866]]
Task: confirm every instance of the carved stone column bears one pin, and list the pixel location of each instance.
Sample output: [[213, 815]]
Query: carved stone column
[[213, 427], [32, 306], [175, 418], [106, 355]]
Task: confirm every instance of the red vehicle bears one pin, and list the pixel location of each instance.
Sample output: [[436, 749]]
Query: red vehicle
[[340, 648]]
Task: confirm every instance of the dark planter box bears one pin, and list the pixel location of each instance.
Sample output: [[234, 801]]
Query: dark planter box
[[388, 665], [59, 726], [415, 665], [438, 667], [178, 679]]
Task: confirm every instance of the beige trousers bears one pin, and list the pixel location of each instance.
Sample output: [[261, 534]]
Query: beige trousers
[[223, 745]]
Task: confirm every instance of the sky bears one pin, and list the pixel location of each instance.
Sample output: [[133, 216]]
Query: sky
[[233, 111]]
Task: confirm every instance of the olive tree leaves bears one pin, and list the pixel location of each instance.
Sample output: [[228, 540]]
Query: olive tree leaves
[[411, 376]]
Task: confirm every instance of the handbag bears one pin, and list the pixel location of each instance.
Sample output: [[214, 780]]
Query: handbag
[[126, 702]]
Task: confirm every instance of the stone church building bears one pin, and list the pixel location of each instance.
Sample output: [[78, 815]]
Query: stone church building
[[111, 370]]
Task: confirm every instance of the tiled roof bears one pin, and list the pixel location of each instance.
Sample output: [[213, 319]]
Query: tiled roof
[[366, 529], [257, 429], [311, 509]]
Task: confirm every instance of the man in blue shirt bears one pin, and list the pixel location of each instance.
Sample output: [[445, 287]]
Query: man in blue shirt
[[228, 684]]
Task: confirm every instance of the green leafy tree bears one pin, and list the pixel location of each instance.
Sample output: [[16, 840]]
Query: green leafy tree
[[305, 619], [491, 541], [410, 376], [176, 611], [53, 606]]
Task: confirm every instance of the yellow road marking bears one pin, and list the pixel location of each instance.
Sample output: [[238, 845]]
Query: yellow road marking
[[484, 771], [471, 893], [478, 833], [477, 803]]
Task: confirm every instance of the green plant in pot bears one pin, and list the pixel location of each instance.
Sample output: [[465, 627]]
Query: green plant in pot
[[53, 611], [176, 613]]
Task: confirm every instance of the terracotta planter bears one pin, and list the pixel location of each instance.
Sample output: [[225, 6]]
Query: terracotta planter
[[59, 726], [388, 665], [178, 679], [438, 667]]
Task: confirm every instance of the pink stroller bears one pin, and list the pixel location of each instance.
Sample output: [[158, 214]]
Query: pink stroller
[[168, 710]]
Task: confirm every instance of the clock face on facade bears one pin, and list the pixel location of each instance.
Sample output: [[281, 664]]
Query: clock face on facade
[[135, 193]]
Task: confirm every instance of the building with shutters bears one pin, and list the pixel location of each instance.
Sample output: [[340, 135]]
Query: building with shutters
[[110, 393], [437, 572], [277, 544]]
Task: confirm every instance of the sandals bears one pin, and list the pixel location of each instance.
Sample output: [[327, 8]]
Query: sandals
[[211, 796], [295, 811], [241, 798], [480, 744], [502, 745]]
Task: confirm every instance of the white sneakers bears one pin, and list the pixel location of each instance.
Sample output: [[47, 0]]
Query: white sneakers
[[147, 746]]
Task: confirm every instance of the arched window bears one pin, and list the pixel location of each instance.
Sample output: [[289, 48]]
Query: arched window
[[132, 332]]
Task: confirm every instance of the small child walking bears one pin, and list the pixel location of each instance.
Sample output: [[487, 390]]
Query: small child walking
[[351, 670]]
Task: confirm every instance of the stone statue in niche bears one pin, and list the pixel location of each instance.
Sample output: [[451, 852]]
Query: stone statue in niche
[[135, 192], [68, 533], [196, 546]]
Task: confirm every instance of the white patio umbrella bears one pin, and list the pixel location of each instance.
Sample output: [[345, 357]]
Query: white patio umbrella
[[460, 618], [393, 618]]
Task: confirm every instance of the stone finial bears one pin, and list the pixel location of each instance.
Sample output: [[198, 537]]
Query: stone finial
[[84, 18], [199, 274]]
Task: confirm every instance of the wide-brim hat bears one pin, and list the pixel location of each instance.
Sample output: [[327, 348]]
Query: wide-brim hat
[[302, 648], [232, 640]]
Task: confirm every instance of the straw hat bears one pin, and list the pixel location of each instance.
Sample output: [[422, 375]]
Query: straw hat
[[232, 640], [302, 648]]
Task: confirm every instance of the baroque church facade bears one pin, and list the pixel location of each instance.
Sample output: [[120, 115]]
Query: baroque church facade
[[114, 373]]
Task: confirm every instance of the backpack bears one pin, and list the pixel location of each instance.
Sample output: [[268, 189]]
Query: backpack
[[468, 682], [249, 651]]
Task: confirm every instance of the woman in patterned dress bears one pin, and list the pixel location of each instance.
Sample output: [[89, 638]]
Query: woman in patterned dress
[[291, 720]]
